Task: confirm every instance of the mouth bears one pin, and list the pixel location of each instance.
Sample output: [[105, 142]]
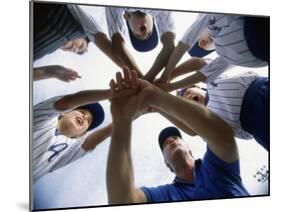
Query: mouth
[[195, 98]]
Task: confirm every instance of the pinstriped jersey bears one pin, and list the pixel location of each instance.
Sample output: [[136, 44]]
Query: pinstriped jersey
[[116, 23], [47, 141], [227, 32], [226, 94]]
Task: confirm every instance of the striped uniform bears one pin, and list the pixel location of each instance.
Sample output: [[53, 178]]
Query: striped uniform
[[226, 94], [116, 22], [227, 32], [46, 141], [55, 24]]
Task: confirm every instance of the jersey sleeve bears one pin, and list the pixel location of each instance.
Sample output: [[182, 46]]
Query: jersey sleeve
[[45, 110], [157, 194], [115, 22], [88, 23], [215, 68], [192, 34], [164, 22]]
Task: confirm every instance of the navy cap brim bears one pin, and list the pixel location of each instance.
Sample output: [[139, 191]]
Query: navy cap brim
[[144, 45], [97, 112], [166, 133], [197, 51]]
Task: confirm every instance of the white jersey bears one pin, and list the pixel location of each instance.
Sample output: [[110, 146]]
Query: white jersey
[[227, 32], [226, 95], [116, 23], [51, 150], [88, 23]]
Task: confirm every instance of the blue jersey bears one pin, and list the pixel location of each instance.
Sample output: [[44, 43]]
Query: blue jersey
[[213, 178]]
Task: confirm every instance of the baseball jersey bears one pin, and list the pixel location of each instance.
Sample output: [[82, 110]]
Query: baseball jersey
[[88, 23], [116, 23], [227, 32], [50, 149], [212, 178], [226, 94]]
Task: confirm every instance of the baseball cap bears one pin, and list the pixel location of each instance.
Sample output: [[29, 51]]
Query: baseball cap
[[97, 112], [144, 45], [197, 51], [166, 133]]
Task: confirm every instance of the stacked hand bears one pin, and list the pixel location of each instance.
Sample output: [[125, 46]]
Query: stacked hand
[[130, 96]]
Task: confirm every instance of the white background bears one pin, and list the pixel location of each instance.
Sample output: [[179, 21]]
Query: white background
[[15, 105]]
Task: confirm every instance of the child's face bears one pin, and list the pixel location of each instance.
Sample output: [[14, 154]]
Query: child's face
[[75, 123], [78, 45], [195, 94], [206, 41]]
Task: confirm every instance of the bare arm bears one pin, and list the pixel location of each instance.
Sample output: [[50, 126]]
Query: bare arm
[[120, 51], [119, 173], [168, 41], [81, 98], [208, 125], [97, 137], [54, 71], [104, 44], [178, 123], [177, 54]]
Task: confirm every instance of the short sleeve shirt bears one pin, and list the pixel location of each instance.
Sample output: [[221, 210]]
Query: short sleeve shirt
[[46, 141], [213, 178]]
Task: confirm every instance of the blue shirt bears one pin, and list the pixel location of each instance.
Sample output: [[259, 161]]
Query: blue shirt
[[213, 178]]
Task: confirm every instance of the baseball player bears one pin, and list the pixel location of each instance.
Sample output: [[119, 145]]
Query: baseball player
[[238, 40], [66, 27], [62, 129], [217, 175], [145, 27]]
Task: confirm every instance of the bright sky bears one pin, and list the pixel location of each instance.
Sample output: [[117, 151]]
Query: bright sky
[[83, 182]]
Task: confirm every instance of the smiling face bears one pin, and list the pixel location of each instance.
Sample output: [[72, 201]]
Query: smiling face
[[176, 152], [141, 24], [195, 94], [206, 41], [74, 123], [78, 45]]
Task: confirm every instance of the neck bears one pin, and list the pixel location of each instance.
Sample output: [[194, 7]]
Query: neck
[[185, 171]]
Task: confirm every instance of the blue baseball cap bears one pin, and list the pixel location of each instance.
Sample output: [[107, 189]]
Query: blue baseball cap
[[166, 133], [97, 112], [144, 45], [197, 51]]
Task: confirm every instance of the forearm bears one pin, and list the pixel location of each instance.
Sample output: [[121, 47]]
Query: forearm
[[178, 123], [97, 137], [197, 117], [163, 56], [188, 66], [104, 44], [82, 98], [119, 172], [175, 57], [41, 73], [123, 55], [189, 81]]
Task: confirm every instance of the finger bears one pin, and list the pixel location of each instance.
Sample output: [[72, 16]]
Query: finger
[[119, 81], [112, 86], [127, 78], [134, 79]]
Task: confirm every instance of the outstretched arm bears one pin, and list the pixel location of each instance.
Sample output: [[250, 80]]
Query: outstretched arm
[[175, 57], [205, 123], [122, 54], [104, 44], [56, 72], [97, 137], [168, 41], [119, 173], [81, 98]]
